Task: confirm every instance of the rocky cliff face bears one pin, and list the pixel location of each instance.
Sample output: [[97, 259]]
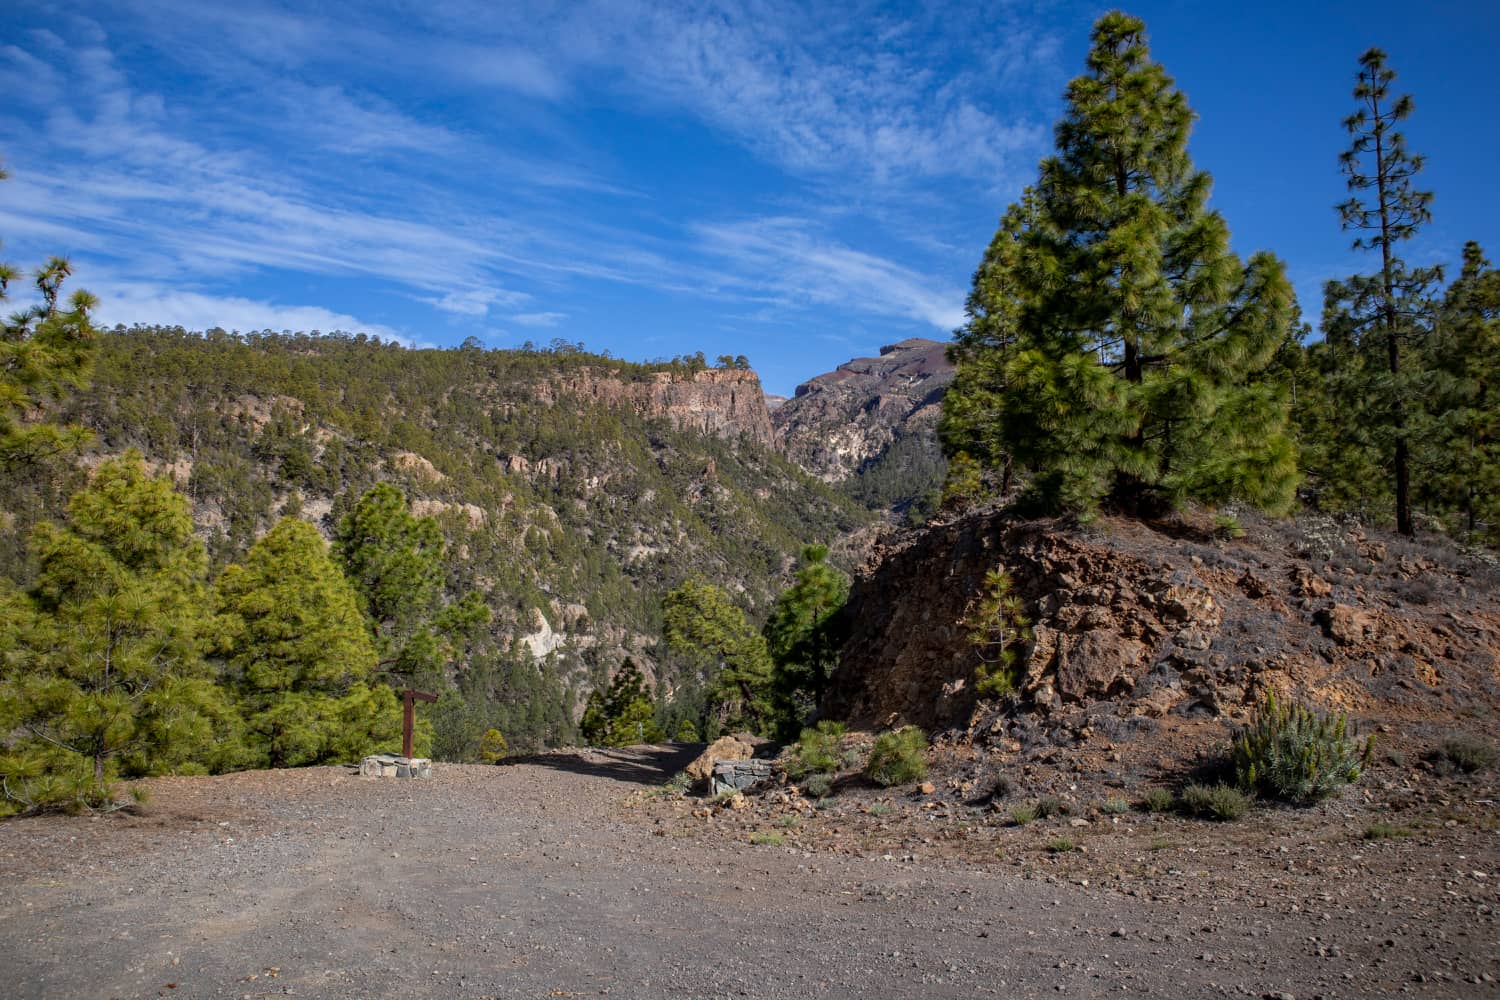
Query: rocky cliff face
[[841, 423], [726, 403], [1136, 623]]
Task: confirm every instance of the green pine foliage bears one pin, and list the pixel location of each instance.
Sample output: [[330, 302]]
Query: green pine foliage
[[492, 747], [1292, 753], [102, 668], [1117, 348], [1465, 473], [625, 715], [899, 757], [1001, 635], [396, 562], [803, 636], [816, 751], [299, 656], [1380, 322], [46, 351], [703, 625]]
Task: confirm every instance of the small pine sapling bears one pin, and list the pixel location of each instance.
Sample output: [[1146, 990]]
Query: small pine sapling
[[1000, 633]]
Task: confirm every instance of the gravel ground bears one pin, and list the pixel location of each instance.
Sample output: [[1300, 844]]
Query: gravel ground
[[571, 875]]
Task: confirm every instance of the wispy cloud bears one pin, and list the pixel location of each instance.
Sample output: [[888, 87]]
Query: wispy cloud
[[798, 266], [542, 319], [445, 155], [155, 304]]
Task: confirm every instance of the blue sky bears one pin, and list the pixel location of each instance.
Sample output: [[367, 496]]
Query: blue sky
[[799, 183]]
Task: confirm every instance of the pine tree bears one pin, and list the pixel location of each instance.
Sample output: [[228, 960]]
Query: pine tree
[[803, 637], [1467, 352], [700, 622], [299, 655], [1137, 367], [982, 349], [102, 665], [624, 715], [45, 350], [1382, 315], [395, 561]]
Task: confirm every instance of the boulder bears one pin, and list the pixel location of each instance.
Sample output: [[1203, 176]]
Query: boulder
[[1347, 626], [1096, 664], [724, 748]]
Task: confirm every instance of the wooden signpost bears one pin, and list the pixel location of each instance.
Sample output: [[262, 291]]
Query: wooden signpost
[[409, 699]]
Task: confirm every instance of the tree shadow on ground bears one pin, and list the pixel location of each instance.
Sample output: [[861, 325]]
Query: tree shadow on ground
[[641, 765]]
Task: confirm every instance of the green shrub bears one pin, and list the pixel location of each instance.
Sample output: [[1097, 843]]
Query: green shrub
[[1216, 802], [687, 732], [880, 808], [1227, 528], [1156, 800], [789, 821], [1385, 831], [492, 747], [818, 785], [1468, 753], [898, 757], [1050, 805], [1021, 815], [816, 750], [769, 838], [1062, 845], [1292, 753], [1114, 806]]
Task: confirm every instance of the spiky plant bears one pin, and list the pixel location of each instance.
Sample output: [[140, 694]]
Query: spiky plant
[[1293, 753]]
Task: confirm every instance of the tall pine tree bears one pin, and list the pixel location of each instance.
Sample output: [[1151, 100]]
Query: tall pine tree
[[299, 655], [102, 665], [1467, 353], [803, 636], [1380, 317], [1138, 368]]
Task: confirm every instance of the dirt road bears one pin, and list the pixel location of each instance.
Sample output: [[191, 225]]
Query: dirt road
[[530, 881]]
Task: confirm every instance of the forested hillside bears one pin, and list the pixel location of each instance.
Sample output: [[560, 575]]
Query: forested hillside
[[573, 491]]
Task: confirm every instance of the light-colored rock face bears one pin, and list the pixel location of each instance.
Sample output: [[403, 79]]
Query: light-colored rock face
[[840, 420], [727, 403]]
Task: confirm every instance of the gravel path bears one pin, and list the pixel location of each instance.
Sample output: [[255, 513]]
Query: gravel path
[[535, 880]]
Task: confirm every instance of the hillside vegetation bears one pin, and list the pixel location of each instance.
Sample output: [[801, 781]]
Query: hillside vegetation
[[572, 491]]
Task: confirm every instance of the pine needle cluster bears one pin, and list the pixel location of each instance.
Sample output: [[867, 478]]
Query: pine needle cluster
[[1001, 634]]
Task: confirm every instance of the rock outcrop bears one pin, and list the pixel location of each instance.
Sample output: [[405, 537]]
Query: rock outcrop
[[841, 423], [724, 402], [1132, 621]]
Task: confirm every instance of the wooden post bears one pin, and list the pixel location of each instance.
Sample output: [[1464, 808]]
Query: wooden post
[[409, 700]]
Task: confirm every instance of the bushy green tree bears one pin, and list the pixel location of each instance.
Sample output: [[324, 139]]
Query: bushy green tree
[[970, 429], [703, 624], [624, 715], [1382, 320], [395, 561], [1467, 353], [804, 636], [46, 349], [1136, 344], [102, 664], [299, 655]]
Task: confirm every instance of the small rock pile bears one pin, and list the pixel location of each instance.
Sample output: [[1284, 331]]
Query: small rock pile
[[391, 765]]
